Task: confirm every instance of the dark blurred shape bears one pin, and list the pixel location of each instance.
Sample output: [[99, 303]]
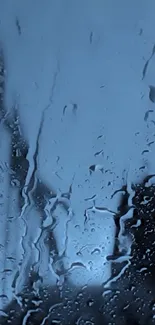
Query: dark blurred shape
[[130, 300]]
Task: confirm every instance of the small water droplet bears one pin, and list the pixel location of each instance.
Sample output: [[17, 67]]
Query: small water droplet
[[96, 251], [90, 302], [90, 263], [15, 183], [152, 94]]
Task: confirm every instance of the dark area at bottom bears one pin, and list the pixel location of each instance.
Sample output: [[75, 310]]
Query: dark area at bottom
[[131, 299]]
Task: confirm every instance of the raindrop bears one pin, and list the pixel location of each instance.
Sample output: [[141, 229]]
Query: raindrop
[[152, 94], [147, 114], [94, 168], [98, 153], [90, 302], [90, 263], [145, 151], [15, 183], [96, 251]]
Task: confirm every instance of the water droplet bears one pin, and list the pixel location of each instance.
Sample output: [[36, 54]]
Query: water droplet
[[90, 263], [96, 251], [152, 94], [153, 307], [90, 302]]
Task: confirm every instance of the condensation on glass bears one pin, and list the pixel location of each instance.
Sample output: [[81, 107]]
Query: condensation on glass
[[77, 128]]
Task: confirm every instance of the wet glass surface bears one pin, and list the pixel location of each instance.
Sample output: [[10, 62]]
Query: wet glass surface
[[77, 174]]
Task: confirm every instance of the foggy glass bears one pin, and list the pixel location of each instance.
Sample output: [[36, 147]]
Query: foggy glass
[[77, 128]]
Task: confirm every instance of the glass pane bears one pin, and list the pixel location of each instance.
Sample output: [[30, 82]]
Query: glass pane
[[77, 210]]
